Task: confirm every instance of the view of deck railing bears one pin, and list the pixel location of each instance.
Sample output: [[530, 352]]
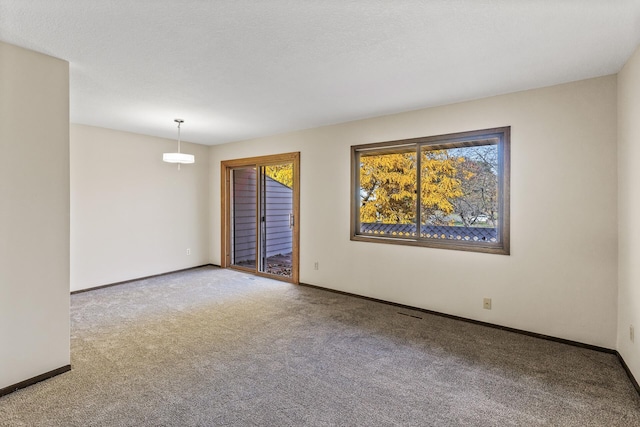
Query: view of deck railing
[[475, 234]]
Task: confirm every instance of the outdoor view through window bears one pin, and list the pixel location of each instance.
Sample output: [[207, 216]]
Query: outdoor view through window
[[462, 183]]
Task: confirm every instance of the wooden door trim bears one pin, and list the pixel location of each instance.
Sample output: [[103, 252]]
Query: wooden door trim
[[225, 196]]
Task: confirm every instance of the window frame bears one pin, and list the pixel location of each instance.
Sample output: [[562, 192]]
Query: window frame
[[447, 141]]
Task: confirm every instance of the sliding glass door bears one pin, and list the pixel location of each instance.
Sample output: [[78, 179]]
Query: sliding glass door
[[244, 250], [260, 210], [276, 219]]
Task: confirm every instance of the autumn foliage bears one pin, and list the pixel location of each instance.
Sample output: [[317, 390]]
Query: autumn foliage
[[452, 185], [281, 173]]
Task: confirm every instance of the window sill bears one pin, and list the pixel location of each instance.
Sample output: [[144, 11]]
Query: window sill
[[490, 248]]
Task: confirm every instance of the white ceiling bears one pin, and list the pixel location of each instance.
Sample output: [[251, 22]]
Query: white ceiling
[[239, 69]]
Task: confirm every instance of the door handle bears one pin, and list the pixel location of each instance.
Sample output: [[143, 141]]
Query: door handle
[[291, 220]]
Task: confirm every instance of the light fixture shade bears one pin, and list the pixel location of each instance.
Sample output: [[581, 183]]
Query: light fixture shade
[[178, 158]]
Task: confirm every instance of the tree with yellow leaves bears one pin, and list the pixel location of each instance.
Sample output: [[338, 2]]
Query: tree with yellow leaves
[[388, 187], [281, 173]]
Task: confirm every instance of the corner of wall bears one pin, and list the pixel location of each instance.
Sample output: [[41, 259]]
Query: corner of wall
[[628, 341], [34, 219]]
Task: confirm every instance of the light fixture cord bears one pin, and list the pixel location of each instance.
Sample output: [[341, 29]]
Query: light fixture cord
[[179, 136], [179, 123]]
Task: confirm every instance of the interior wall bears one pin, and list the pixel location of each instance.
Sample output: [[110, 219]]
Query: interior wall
[[133, 215], [561, 276], [629, 208], [34, 214]]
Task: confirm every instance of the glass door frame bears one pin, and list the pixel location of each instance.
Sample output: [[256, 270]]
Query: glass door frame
[[226, 167]]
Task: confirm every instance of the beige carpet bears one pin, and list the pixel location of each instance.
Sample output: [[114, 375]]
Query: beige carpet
[[211, 347]]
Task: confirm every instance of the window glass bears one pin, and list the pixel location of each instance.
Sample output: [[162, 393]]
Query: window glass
[[462, 180], [388, 194]]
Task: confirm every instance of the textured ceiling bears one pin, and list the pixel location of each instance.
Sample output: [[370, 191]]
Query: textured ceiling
[[239, 69]]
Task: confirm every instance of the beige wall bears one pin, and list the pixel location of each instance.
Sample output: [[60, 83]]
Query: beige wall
[[629, 210], [561, 276], [132, 215], [34, 214]]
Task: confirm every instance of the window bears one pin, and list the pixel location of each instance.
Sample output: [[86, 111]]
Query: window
[[462, 181]]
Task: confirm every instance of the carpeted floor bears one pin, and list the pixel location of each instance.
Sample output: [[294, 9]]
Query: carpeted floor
[[211, 347]]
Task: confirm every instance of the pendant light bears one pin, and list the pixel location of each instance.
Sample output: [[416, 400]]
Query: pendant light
[[179, 158]]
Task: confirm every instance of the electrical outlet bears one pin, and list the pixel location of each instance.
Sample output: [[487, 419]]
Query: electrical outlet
[[631, 333], [486, 303], [316, 265], [188, 251]]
